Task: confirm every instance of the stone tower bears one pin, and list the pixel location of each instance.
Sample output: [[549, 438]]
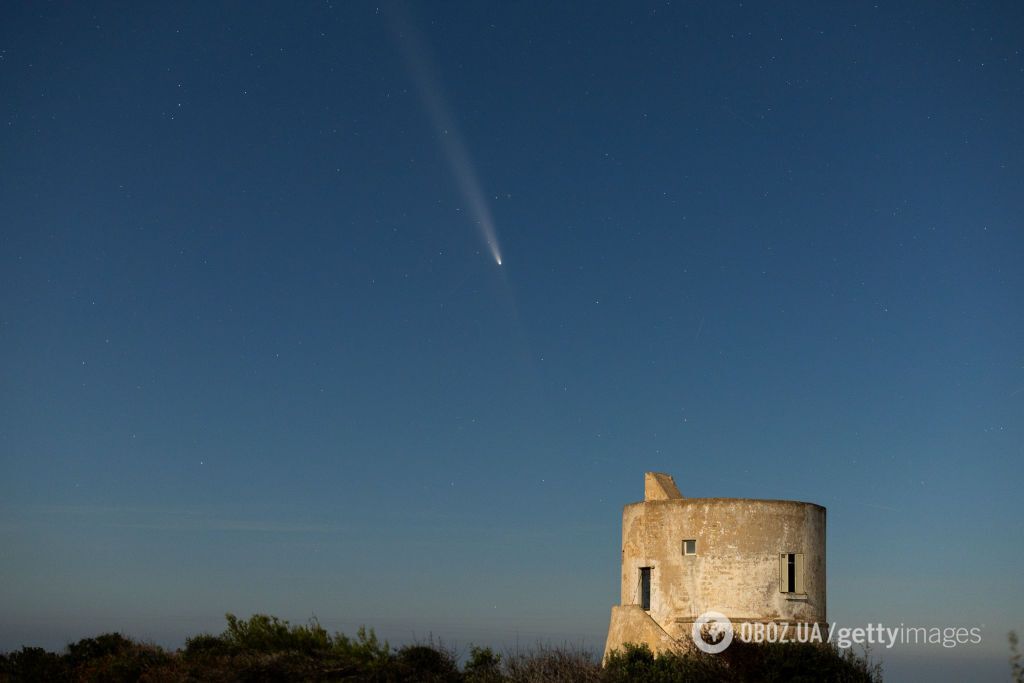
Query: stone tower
[[751, 560]]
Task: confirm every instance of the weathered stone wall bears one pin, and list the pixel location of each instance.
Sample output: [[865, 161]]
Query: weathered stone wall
[[736, 569], [736, 566]]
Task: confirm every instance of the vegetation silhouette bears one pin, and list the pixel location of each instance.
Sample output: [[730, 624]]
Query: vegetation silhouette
[[265, 648]]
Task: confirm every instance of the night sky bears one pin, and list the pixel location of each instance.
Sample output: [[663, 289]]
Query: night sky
[[257, 353]]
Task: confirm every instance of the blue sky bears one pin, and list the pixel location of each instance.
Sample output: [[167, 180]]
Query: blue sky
[[257, 354]]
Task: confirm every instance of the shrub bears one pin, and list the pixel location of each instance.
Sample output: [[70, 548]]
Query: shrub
[[365, 649], [743, 662], [265, 633], [35, 664], [483, 666], [551, 664], [126, 666], [265, 648], [798, 662], [425, 663], [206, 645], [638, 663]]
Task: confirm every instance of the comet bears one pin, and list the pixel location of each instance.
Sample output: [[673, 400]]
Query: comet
[[428, 85]]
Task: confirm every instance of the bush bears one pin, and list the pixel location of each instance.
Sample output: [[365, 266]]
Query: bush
[[798, 662], [483, 666], [551, 664], [106, 645], [205, 645], [741, 662], [638, 663], [115, 658], [126, 666], [265, 648], [366, 649], [425, 663], [34, 664], [265, 633]]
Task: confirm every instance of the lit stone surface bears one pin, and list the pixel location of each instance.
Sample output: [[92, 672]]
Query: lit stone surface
[[736, 569]]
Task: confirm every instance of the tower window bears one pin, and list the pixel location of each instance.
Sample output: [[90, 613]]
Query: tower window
[[791, 573], [690, 547], [645, 588]]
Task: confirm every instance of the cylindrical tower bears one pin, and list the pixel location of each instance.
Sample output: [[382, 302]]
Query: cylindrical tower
[[752, 560]]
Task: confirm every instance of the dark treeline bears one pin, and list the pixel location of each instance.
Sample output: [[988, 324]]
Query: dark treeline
[[265, 648]]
